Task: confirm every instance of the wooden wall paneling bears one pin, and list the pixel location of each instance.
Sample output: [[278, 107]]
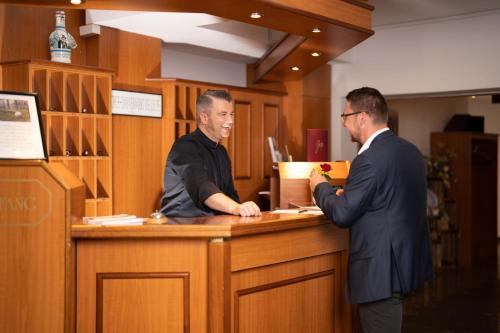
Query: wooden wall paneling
[[241, 140], [169, 125], [138, 141], [248, 142], [307, 105], [293, 119], [137, 164], [30, 40], [18, 77], [245, 144], [138, 58], [316, 99], [103, 49], [271, 129]]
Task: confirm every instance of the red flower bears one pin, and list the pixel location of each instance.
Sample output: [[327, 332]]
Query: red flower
[[325, 167]]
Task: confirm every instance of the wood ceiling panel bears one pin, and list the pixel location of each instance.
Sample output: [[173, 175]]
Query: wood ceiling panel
[[343, 24]]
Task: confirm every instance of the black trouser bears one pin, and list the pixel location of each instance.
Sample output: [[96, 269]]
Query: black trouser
[[384, 316]]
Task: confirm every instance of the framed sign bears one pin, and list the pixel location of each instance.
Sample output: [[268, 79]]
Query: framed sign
[[131, 103], [21, 131]]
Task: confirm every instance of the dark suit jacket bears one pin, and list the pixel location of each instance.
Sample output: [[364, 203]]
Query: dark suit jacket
[[384, 205]]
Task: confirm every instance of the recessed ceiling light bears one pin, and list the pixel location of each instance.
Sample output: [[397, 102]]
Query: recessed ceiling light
[[316, 30], [315, 54], [255, 15], [295, 68], [77, 2]]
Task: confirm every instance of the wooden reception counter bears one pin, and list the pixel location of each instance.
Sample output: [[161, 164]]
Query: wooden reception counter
[[275, 273]]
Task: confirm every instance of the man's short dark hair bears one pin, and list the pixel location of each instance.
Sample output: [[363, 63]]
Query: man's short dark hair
[[371, 101], [204, 101]]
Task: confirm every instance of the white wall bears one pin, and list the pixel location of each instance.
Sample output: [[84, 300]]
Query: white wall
[[418, 118], [449, 55], [439, 56], [196, 67]]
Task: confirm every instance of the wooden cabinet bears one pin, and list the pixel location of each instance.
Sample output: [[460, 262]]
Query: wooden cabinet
[[474, 190], [76, 112]]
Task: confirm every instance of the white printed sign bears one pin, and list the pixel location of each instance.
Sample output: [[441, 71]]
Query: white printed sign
[[136, 104]]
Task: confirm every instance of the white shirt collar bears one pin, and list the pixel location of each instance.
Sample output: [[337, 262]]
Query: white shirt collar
[[368, 142]]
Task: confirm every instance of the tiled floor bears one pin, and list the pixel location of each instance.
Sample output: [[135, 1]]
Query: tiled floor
[[457, 300]]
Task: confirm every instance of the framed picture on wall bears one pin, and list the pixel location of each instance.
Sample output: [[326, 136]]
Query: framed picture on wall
[[133, 103], [21, 128]]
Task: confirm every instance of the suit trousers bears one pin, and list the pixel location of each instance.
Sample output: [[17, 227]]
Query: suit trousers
[[384, 316]]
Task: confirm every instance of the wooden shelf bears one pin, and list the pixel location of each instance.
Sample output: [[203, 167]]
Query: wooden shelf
[[76, 115], [185, 106]]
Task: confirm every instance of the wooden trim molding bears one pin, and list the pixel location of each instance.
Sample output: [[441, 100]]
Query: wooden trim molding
[[44, 62], [219, 285], [216, 85], [276, 55], [360, 3], [270, 286], [100, 277]]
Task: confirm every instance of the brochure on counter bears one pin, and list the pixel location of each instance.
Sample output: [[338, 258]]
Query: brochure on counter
[[119, 219]]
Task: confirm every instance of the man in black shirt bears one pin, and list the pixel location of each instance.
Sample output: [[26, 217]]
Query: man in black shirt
[[198, 180]]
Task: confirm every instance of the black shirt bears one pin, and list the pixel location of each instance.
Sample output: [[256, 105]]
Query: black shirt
[[196, 168]]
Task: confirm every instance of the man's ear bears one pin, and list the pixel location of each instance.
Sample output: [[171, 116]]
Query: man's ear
[[362, 119], [204, 118]]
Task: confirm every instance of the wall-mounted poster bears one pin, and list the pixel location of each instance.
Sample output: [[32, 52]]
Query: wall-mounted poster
[[21, 131], [131, 103]]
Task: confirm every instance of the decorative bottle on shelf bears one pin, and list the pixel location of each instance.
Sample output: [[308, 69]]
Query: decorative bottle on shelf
[[60, 41]]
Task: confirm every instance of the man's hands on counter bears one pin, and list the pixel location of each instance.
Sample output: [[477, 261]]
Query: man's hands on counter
[[248, 208], [223, 203]]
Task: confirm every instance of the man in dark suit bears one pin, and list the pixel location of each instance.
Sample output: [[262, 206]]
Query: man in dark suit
[[384, 205]]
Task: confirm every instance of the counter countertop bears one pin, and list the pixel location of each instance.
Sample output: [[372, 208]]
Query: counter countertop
[[202, 227]]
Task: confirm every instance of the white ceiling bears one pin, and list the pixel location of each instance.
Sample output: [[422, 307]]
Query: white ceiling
[[240, 42], [389, 12]]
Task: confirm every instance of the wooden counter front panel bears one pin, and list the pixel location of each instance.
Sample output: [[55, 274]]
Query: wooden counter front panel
[[151, 285], [266, 249], [290, 281], [298, 296]]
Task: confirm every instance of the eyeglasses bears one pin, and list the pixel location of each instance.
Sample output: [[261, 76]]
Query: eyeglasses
[[344, 115]]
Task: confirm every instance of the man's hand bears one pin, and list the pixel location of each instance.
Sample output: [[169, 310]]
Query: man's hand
[[248, 208], [314, 179]]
